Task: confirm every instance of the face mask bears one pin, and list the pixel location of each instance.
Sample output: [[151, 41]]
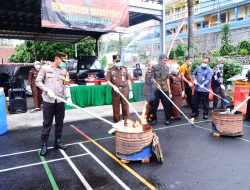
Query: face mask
[[221, 66], [190, 63], [203, 65], [37, 67], [62, 65], [118, 64]]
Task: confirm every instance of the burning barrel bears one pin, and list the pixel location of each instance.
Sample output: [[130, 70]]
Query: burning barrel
[[134, 145], [228, 124]]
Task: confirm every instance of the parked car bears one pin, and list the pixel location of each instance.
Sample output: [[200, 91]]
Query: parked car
[[83, 67]]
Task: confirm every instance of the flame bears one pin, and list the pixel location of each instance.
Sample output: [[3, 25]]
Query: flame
[[134, 127], [143, 115]]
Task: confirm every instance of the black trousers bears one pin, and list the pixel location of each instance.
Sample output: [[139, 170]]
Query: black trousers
[[165, 102], [220, 92], [51, 110], [190, 98], [248, 109], [205, 100]]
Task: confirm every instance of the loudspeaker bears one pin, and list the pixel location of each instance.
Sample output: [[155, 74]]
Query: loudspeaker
[[17, 101]]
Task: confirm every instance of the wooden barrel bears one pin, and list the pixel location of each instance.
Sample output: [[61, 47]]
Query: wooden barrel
[[130, 143], [228, 124]]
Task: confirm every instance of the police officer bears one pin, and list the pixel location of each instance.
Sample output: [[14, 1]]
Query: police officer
[[36, 92], [160, 73], [202, 76], [53, 81], [118, 78]]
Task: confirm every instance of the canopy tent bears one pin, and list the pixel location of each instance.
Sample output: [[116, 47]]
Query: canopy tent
[[21, 19]]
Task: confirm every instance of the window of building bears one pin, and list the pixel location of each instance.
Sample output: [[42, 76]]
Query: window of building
[[168, 32], [198, 25], [205, 24], [178, 10], [167, 13], [223, 17]]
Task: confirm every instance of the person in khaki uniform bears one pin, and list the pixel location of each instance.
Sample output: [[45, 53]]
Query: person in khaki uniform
[[176, 90], [53, 80], [36, 92], [118, 78], [160, 73]]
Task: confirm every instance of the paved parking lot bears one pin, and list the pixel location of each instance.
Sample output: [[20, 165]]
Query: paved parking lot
[[193, 160]]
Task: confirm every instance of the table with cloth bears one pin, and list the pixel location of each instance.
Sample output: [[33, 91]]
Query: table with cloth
[[97, 95]]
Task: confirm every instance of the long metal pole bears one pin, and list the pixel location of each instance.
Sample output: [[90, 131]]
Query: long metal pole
[[158, 86], [163, 28], [226, 101], [190, 28], [84, 110], [131, 106], [240, 105]]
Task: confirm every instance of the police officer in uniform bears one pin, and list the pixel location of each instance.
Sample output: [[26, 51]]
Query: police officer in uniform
[[53, 80], [118, 78], [36, 92], [160, 73]]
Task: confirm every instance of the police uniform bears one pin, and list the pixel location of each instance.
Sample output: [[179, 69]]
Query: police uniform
[[161, 75], [148, 93], [56, 80], [177, 87], [36, 92], [118, 76]]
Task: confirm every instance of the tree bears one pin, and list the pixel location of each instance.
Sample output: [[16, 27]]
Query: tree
[[29, 51], [226, 46], [190, 28]]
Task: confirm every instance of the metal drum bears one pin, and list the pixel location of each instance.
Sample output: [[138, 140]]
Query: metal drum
[[3, 117], [134, 146]]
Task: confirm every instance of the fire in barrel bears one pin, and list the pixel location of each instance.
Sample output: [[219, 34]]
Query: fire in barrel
[[134, 142]]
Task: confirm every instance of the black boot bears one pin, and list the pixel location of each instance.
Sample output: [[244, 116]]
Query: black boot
[[43, 150], [58, 145]]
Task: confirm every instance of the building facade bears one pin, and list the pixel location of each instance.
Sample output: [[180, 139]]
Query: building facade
[[210, 16]]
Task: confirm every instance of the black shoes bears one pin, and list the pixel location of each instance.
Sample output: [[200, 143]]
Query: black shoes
[[43, 150], [58, 145], [194, 115], [167, 122], [153, 122]]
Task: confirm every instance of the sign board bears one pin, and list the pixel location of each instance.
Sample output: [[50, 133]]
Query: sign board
[[88, 15]]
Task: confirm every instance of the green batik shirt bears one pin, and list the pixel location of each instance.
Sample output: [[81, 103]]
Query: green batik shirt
[[161, 74]]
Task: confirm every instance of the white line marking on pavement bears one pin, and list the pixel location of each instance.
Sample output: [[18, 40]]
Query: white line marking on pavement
[[39, 163], [105, 167], [240, 138], [34, 150], [78, 173], [70, 144]]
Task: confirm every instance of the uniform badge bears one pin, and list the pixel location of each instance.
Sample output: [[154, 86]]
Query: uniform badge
[[49, 79]]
